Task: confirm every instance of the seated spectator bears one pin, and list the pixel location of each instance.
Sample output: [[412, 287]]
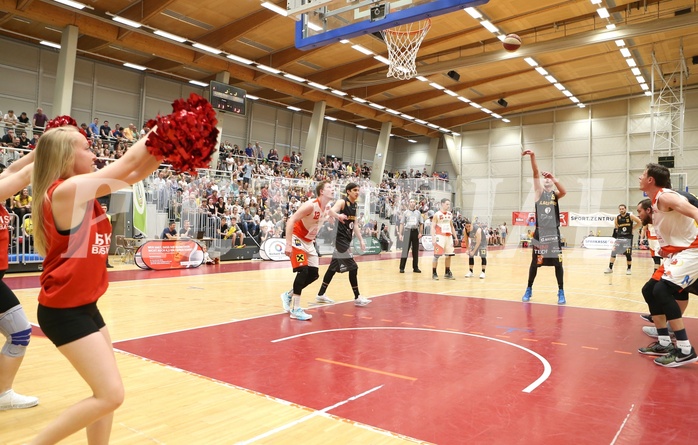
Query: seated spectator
[[186, 231], [170, 231], [105, 130], [266, 227], [8, 138], [22, 203], [247, 222], [24, 140], [28, 234], [384, 238], [234, 232]]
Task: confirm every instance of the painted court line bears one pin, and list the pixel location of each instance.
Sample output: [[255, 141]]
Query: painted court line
[[622, 425], [308, 417], [547, 369], [349, 365]]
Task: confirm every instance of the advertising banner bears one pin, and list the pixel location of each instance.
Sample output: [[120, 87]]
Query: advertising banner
[[598, 219], [529, 219], [169, 254], [373, 246], [273, 250], [598, 242]]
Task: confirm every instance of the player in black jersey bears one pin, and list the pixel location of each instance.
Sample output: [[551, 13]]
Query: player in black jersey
[[342, 258], [547, 246], [623, 234]]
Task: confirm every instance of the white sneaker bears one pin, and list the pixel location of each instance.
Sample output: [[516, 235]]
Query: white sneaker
[[628, 272], [286, 300], [300, 314], [11, 400], [361, 301], [469, 275], [324, 299], [651, 331], [608, 270], [482, 275]]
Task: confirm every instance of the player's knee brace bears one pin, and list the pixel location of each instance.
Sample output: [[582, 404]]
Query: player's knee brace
[[648, 295], [629, 256], [313, 274], [657, 260], [17, 330], [665, 294], [471, 261], [300, 280], [484, 262]]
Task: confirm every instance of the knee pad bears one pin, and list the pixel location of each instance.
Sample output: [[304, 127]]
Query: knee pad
[[484, 262], [313, 274], [300, 280], [629, 256], [648, 295], [665, 294], [657, 260], [471, 261], [17, 330]]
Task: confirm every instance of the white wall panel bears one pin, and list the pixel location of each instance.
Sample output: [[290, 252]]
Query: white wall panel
[[574, 148], [609, 127], [573, 130], [607, 145]]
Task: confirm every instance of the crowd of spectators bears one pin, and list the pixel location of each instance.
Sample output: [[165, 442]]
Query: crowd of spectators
[[251, 193]]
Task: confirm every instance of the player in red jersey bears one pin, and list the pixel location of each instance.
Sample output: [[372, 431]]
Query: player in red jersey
[[13, 320], [73, 234], [301, 229]]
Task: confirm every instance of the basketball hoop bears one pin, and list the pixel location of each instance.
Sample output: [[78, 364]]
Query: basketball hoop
[[403, 43]]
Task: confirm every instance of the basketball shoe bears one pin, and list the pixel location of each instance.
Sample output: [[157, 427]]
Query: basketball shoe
[[482, 275], [361, 301], [300, 314], [561, 297], [608, 270], [527, 295], [469, 275], [651, 331], [286, 300], [657, 349], [677, 358], [449, 276], [324, 299]]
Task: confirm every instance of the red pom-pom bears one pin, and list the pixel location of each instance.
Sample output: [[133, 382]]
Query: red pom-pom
[[187, 137], [62, 121]]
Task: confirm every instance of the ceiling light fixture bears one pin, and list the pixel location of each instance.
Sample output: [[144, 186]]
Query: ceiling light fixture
[[239, 59], [135, 67], [198, 83], [167, 35], [208, 49], [126, 22], [51, 44], [272, 7]]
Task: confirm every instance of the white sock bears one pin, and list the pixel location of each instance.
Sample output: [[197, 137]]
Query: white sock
[[664, 340], [296, 302], [685, 346]]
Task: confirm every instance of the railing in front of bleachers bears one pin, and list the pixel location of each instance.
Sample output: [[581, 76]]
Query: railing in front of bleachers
[[21, 248]]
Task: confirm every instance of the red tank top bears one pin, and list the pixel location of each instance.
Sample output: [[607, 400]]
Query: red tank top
[[5, 220], [75, 272]]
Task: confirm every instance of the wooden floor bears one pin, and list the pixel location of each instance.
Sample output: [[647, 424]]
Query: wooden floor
[[168, 406]]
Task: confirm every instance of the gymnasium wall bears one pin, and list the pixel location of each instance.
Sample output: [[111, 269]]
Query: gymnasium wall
[[121, 95], [596, 152]]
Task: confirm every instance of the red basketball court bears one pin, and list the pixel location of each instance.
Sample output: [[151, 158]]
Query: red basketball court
[[452, 370]]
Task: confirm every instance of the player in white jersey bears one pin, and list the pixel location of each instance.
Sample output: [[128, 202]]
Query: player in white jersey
[[442, 238], [673, 218]]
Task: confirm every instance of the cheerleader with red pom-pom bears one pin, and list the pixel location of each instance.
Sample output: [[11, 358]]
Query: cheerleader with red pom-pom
[[73, 234]]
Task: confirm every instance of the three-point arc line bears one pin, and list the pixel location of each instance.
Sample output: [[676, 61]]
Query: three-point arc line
[[547, 369]]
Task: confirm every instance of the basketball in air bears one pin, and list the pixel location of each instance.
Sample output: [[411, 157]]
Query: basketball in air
[[511, 42]]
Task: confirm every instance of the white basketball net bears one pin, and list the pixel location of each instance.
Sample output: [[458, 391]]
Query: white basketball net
[[403, 43]]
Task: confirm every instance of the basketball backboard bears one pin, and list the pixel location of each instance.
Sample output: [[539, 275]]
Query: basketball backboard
[[321, 22]]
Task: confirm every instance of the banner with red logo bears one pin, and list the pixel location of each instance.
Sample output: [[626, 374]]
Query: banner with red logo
[[529, 219], [169, 254]]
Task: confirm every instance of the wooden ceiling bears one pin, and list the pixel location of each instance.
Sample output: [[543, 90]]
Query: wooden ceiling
[[566, 37]]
